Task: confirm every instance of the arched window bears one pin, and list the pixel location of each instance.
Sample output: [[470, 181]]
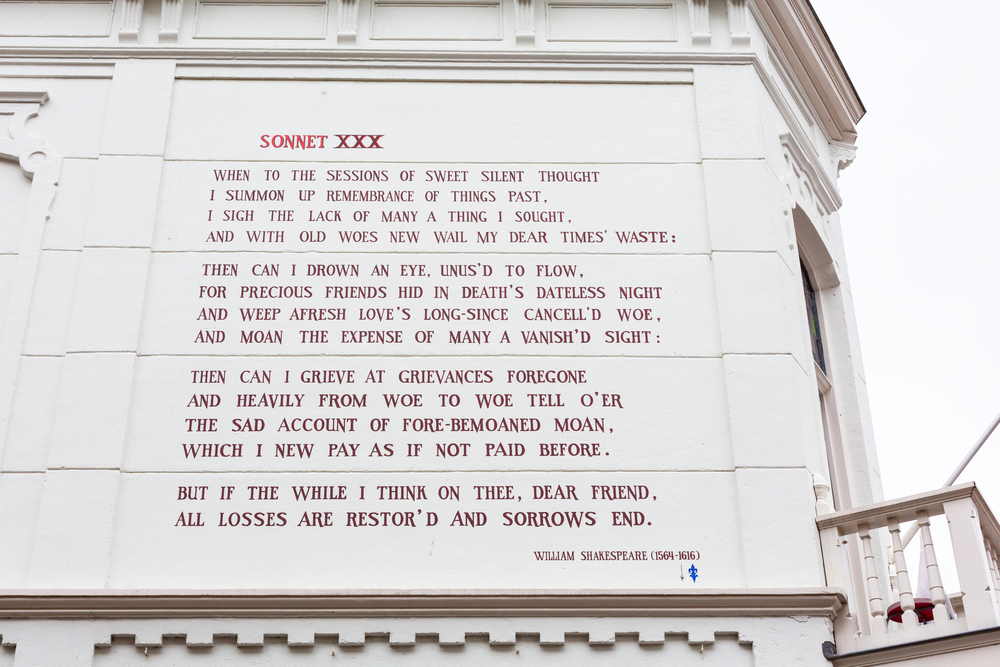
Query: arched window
[[812, 313], [827, 400]]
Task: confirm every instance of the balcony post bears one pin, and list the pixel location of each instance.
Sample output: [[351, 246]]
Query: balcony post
[[991, 557], [910, 619], [875, 602], [938, 596], [893, 579], [833, 560], [974, 575]]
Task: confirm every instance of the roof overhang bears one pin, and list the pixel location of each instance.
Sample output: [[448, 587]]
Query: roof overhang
[[815, 63]]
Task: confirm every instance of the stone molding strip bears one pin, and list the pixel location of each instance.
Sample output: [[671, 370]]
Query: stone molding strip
[[962, 641], [112, 604], [22, 55]]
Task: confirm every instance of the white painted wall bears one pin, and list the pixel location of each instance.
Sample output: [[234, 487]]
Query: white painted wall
[[712, 144]]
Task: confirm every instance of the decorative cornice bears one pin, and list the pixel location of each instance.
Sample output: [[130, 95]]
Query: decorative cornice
[[701, 31], [131, 20], [524, 21], [843, 154], [739, 22], [324, 57], [170, 19], [31, 153], [800, 36], [792, 26], [107, 604], [806, 170], [347, 21], [23, 96], [219, 55]]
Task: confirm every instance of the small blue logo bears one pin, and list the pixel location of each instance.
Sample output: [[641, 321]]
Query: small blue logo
[[693, 571]]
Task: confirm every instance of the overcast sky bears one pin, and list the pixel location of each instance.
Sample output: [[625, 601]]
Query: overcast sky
[[921, 224]]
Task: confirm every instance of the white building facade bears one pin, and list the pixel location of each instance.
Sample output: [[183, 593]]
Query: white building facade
[[457, 331]]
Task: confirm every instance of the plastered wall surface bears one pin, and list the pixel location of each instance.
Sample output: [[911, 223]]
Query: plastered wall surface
[[408, 296]]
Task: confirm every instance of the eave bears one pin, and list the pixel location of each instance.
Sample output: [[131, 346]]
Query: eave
[[815, 63]]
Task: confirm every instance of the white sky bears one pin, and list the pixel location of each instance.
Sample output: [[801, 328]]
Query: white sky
[[921, 225]]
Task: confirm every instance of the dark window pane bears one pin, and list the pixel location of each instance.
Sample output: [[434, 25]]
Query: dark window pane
[[813, 314]]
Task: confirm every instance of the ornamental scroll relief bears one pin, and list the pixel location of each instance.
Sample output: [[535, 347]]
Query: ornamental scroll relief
[[41, 164]]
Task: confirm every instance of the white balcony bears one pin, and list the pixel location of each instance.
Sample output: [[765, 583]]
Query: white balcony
[[887, 619]]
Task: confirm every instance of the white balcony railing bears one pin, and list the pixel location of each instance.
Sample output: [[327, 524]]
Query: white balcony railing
[[851, 540]]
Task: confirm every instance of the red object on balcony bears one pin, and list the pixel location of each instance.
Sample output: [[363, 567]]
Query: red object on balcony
[[923, 606]]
